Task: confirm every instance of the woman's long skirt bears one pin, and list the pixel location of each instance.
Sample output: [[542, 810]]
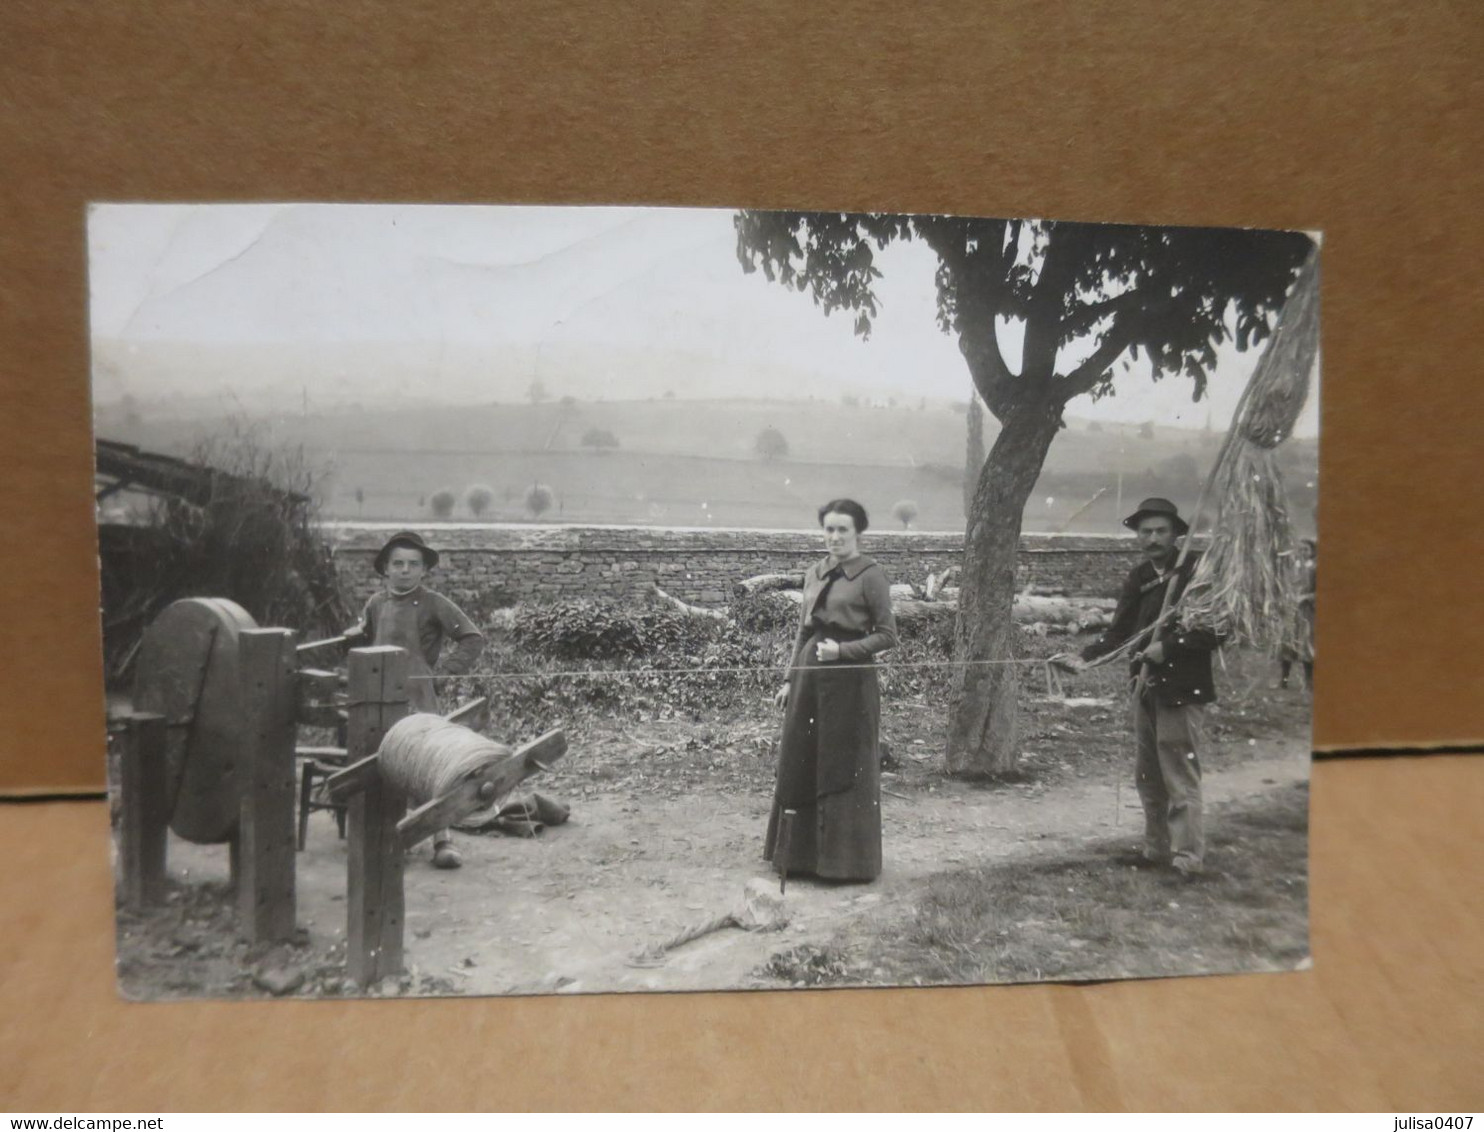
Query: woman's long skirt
[[829, 769]]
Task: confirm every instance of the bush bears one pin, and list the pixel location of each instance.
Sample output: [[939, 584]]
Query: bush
[[767, 611], [599, 439], [771, 444], [595, 629], [539, 499], [478, 498], [246, 528]]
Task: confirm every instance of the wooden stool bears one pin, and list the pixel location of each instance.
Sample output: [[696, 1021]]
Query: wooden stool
[[318, 764]]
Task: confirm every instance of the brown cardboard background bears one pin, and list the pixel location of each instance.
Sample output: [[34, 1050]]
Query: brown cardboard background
[[1360, 118]]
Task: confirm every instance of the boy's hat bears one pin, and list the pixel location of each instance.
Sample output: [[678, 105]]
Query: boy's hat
[[409, 539], [1157, 506]]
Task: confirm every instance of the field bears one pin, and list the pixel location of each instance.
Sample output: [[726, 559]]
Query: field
[[676, 455], [669, 783]]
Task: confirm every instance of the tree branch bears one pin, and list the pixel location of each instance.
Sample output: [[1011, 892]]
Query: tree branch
[[1086, 377], [1085, 316]]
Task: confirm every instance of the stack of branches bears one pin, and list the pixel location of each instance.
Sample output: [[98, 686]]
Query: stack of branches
[[1247, 585]]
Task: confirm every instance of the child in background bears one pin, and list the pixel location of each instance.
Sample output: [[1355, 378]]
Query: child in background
[[411, 617]]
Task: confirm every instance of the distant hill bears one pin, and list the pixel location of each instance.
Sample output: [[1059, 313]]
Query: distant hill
[[675, 455]]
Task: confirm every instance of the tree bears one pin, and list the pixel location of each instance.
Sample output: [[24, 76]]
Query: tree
[[538, 499], [568, 405], [974, 453], [536, 392], [770, 444], [905, 510], [599, 439], [478, 499], [1088, 297], [360, 499], [1146, 430], [1094, 426], [442, 502]]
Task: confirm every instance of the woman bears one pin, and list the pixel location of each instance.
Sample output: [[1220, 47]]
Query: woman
[[829, 772]]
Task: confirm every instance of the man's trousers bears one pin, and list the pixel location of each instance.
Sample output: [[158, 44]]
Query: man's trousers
[[1167, 770]]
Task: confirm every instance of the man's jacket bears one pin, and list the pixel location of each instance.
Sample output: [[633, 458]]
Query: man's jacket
[[1184, 677]]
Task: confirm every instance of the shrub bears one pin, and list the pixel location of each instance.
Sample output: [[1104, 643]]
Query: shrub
[[767, 611], [599, 439], [478, 498], [598, 629], [771, 444], [244, 528], [538, 499]]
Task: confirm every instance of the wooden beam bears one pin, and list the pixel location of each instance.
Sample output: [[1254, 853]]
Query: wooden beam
[[145, 811], [374, 892], [345, 784], [265, 890], [467, 711]]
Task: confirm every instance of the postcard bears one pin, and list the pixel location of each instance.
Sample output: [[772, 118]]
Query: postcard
[[547, 600]]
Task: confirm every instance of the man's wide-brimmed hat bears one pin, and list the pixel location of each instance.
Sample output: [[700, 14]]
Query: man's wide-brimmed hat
[[405, 538], [1157, 506]]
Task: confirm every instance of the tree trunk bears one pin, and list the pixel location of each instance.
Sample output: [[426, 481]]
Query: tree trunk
[[973, 452], [982, 729]]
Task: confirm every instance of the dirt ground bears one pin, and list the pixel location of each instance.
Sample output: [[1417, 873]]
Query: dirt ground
[[666, 831]]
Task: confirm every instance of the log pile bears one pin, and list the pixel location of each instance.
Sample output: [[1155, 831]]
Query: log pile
[[1042, 613]]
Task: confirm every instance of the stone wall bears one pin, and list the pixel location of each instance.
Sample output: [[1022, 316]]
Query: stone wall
[[489, 566]]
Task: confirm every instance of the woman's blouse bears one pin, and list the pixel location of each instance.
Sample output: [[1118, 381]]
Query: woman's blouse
[[857, 601]]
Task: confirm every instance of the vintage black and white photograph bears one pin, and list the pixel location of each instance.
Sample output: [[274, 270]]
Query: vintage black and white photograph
[[558, 600]]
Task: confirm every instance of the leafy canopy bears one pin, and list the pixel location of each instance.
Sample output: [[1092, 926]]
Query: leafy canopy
[[1086, 294]]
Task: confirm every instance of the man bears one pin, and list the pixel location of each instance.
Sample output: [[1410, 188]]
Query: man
[[1176, 688]]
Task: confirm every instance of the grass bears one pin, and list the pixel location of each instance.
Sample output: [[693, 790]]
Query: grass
[[1095, 915]]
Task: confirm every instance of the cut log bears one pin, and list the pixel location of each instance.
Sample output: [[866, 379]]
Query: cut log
[[1055, 614], [760, 582], [936, 583], [689, 610]]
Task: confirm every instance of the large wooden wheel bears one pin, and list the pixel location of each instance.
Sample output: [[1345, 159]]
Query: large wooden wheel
[[188, 673]]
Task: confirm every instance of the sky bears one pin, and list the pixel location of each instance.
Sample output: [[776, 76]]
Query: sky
[[344, 303]]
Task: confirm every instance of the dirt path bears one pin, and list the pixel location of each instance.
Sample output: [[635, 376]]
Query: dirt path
[[567, 911]]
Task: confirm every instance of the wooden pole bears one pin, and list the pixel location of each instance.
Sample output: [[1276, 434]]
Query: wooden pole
[[265, 830], [145, 805], [374, 897]]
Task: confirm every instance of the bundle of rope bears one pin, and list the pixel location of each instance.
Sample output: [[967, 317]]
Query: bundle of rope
[[426, 755], [1244, 586], [761, 910]]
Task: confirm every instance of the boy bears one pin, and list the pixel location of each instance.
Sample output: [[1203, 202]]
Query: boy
[[414, 618]]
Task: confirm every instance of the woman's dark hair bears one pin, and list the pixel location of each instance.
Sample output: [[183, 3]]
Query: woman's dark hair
[[849, 507]]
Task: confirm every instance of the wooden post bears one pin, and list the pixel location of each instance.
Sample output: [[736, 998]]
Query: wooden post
[[265, 831], [145, 805], [374, 900]]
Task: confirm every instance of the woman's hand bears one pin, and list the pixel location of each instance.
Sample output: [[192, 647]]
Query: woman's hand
[[780, 697], [827, 651]]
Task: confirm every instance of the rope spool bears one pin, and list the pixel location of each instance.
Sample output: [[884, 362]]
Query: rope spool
[[425, 756]]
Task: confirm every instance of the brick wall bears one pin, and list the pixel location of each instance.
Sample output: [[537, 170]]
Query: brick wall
[[485, 567]]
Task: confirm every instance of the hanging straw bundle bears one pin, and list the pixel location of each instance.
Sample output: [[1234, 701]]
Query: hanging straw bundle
[[1245, 585]]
